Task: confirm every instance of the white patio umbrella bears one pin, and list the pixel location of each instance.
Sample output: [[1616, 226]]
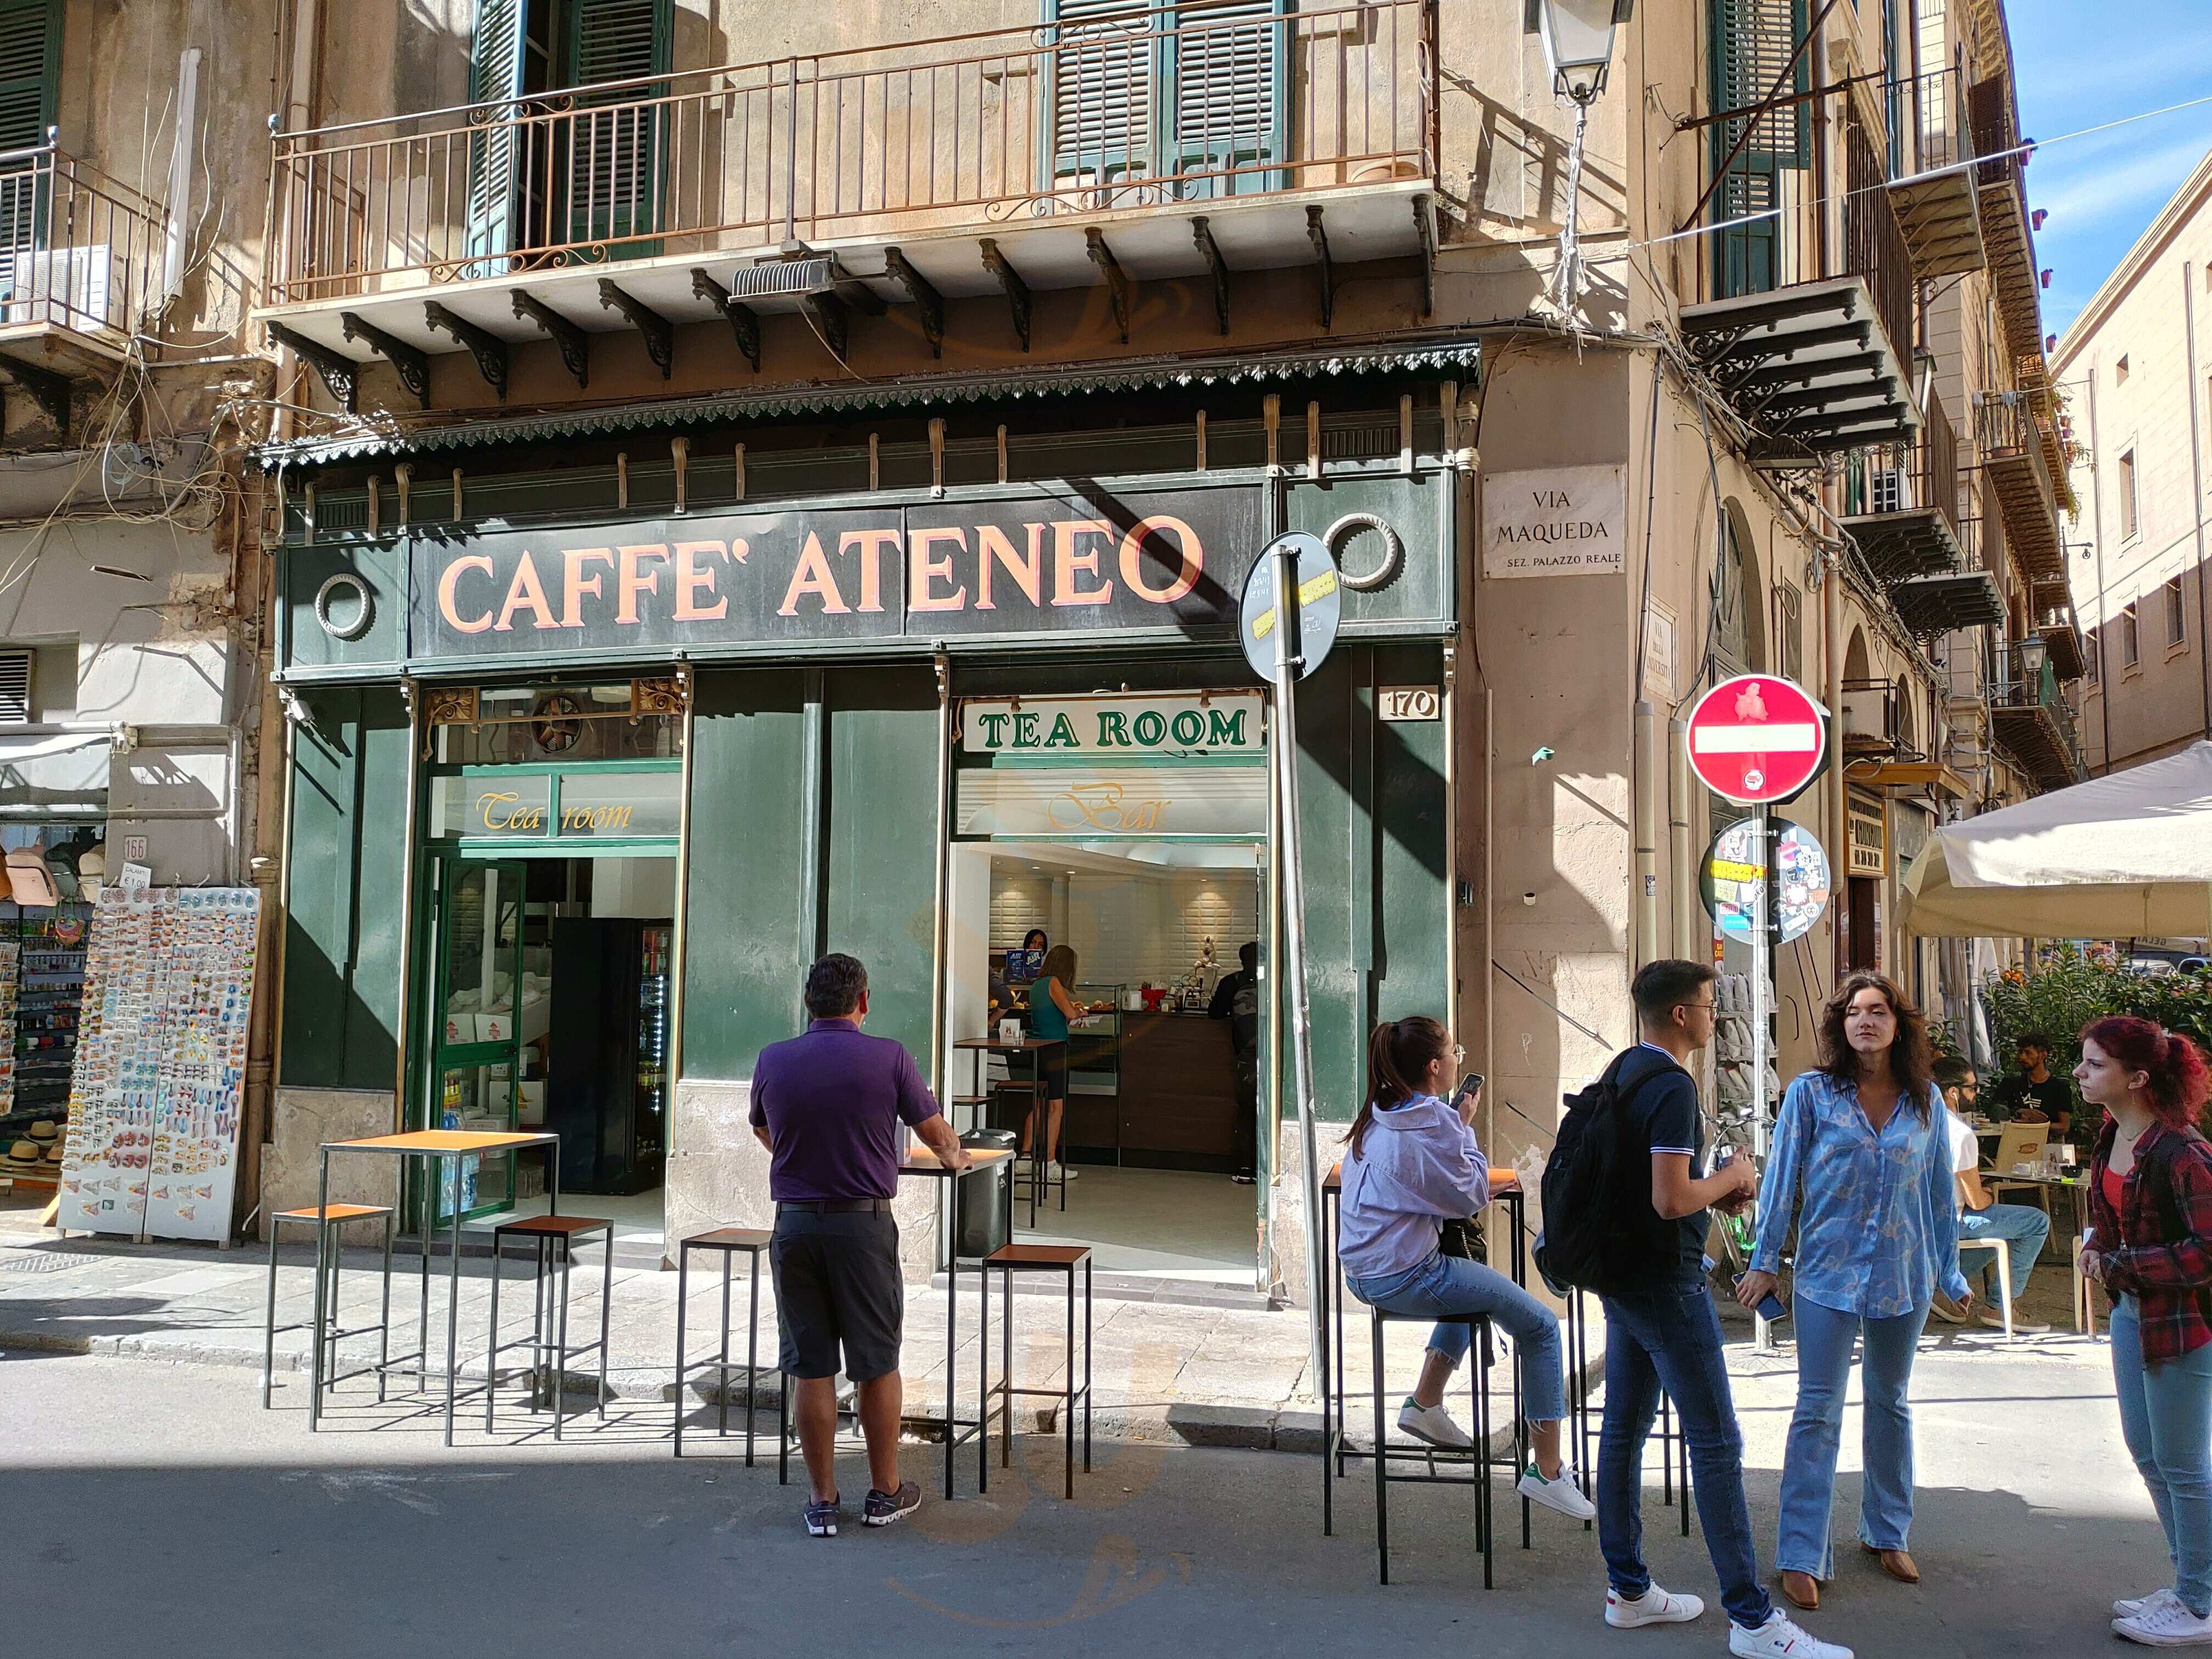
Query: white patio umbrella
[[2124, 856]]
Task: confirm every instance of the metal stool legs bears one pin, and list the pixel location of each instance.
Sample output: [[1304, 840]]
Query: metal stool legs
[[728, 1241], [326, 1225], [1477, 1457]]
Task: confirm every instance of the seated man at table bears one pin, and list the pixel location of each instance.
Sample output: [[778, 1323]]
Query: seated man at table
[[2034, 1094], [2022, 1226], [827, 1105]]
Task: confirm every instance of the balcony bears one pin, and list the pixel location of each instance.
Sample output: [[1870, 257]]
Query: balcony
[[1808, 332], [1907, 523], [2053, 604], [2002, 193], [1128, 146], [2010, 443], [80, 257], [2030, 716], [1935, 205]]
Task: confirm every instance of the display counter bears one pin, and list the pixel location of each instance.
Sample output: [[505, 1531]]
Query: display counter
[[1178, 1099]]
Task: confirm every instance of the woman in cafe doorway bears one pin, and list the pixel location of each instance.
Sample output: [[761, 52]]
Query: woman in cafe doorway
[[1052, 1004], [1862, 1160]]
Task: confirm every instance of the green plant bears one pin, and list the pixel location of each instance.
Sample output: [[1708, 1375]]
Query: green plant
[[2072, 987]]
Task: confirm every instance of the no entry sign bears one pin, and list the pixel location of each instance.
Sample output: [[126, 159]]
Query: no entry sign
[[1756, 739]]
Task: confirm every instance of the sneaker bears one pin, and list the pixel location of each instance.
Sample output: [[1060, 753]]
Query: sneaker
[[1655, 1607], [2167, 1624], [1432, 1424], [1993, 1318], [822, 1518], [2129, 1606], [1245, 1181], [1946, 1310], [1779, 1639], [884, 1507], [1058, 1172], [1561, 1494]]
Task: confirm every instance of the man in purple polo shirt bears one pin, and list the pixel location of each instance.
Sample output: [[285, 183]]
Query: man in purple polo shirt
[[827, 1105]]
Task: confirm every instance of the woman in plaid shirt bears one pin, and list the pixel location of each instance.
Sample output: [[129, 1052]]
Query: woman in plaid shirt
[[2151, 1196]]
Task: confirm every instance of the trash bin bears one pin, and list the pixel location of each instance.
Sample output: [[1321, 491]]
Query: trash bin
[[979, 1206]]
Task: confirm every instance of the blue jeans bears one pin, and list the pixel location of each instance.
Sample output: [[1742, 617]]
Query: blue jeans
[[1824, 1339], [1670, 1337], [2022, 1226], [1453, 1284], [2165, 1415]]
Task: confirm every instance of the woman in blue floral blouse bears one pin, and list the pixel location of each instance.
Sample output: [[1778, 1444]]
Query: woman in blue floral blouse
[[1861, 1160]]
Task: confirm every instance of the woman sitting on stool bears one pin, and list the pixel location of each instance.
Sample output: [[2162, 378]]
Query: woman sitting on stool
[[1413, 1162]]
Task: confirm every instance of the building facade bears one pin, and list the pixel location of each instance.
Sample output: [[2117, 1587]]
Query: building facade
[[2135, 383], [719, 427]]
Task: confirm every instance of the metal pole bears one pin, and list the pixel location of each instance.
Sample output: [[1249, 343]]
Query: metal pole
[[1761, 944], [1290, 657]]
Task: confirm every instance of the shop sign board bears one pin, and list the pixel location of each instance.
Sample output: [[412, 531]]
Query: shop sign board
[[1869, 850], [1197, 723], [1555, 522], [1078, 562], [512, 802], [1402, 703], [1757, 738], [1109, 802]]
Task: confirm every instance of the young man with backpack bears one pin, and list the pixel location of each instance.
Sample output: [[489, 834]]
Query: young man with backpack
[[1627, 1218]]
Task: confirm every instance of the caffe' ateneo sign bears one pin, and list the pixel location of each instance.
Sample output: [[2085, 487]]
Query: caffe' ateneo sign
[[1049, 562]]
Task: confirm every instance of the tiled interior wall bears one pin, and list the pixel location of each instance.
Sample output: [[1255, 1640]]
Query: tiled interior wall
[[1126, 930]]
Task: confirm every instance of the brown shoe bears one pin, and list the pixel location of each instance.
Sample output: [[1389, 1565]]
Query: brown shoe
[[1802, 1589], [1896, 1563]]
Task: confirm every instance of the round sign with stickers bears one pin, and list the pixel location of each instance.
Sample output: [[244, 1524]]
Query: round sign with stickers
[[1321, 605], [1735, 868]]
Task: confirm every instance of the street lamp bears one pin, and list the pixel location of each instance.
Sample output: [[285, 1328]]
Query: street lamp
[[1578, 36], [1577, 39], [2032, 653]]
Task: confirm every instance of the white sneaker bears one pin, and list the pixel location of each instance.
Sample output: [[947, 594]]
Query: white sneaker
[[1777, 1638], [1562, 1494], [1058, 1172], [2167, 1624], [1433, 1425], [1655, 1607], [2129, 1606]]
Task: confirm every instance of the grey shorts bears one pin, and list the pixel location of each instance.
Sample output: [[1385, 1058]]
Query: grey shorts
[[838, 1285]]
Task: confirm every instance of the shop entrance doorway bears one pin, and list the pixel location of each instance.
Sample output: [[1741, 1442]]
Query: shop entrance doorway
[[552, 1011], [1108, 885]]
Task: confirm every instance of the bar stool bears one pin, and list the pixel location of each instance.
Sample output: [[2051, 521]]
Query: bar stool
[[1477, 1456], [1586, 1425], [2000, 1257], [329, 1219], [1009, 1260], [728, 1242], [555, 1237]]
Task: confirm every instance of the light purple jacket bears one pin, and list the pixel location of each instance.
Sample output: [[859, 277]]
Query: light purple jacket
[[1420, 1164]]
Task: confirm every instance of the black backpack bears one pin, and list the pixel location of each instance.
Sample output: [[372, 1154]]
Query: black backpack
[[1600, 1232]]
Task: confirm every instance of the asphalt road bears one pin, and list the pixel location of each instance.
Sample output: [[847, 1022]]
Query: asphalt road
[[156, 1509]]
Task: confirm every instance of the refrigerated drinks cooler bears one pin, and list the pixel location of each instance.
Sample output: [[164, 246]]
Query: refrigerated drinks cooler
[[606, 1088]]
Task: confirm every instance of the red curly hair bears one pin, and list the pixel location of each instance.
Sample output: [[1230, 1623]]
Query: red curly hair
[[2180, 1080]]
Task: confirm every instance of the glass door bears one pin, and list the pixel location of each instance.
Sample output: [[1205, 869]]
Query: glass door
[[477, 1061]]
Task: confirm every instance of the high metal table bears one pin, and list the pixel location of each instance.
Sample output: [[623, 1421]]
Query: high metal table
[[432, 1146], [920, 1164]]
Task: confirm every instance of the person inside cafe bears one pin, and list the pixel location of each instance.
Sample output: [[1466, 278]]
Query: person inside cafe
[[2022, 1226], [1411, 1165], [2150, 1246], [2033, 1093], [1237, 999], [1026, 964], [1862, 1162], [827, 1105], [1052, 1004]]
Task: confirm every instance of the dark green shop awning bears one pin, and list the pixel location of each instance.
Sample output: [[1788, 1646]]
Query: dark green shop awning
[[391, 437]]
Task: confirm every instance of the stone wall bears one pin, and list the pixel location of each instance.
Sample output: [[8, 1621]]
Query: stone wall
[[303, 1120]]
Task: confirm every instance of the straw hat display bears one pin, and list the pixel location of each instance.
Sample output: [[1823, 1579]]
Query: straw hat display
[[25, 1153], [45, 1129]]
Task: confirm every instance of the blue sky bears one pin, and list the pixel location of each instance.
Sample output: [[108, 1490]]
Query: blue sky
[[2079, 65]]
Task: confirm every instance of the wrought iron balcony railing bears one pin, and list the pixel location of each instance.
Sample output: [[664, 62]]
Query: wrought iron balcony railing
[[79, 251], [1122, 109]]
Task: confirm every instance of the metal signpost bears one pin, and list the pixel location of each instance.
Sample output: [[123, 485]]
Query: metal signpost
[[1755, 739], [1285, 643]]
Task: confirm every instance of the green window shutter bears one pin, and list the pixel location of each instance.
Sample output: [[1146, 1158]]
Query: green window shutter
[[1752, 42], [617, 153], [1106, 65], [495, 70], [1229, 95], [30, 68]]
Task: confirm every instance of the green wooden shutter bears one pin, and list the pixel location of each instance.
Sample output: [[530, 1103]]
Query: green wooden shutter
[[495, 72], [1752, 42], [617, 147], [1229, 95], [30, 65], [1106, 69]]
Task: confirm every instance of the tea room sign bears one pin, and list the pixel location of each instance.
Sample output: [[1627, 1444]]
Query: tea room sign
[[1555, 522]]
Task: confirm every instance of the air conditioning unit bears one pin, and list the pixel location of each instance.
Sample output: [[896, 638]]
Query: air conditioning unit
[[70, 286], [1869, 717]]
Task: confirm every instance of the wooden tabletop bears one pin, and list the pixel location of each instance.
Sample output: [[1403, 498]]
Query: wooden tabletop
[[1502, 1181], [921, 1161], [997, 1047], [439, 1140]]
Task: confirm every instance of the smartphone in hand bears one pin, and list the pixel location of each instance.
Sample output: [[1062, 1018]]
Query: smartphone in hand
[[1770, 1309], [1467, 1085]]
